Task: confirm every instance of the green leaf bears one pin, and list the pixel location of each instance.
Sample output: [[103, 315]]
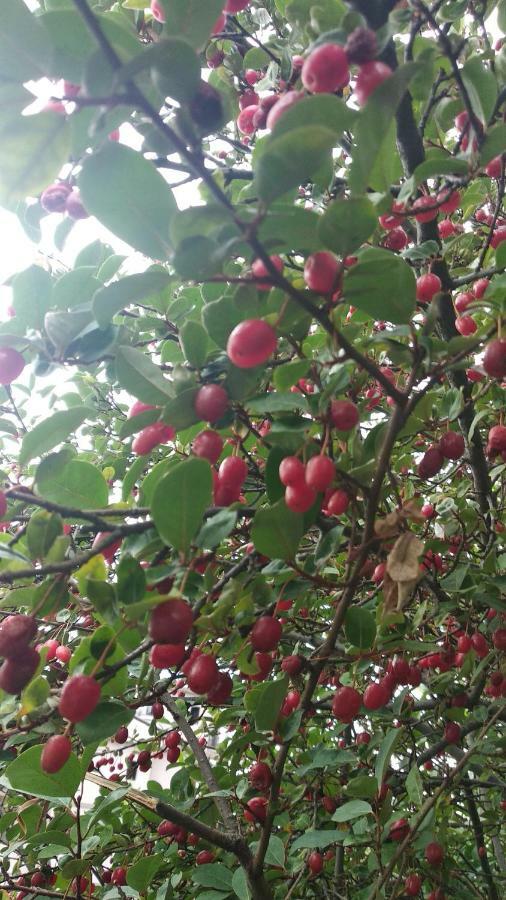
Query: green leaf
[[24, 774], [131, 477], [360, 627], [240, 884], [175, 68], [75, 483], [136, 423], [351, 810], [277, 531], [216, 529], [291, 159], [130, 197], [111, 299], [289, 374], [272, 402], [50, 432], [104, 721], [316, 839], [32, 151], [373, 124], [275, 855], [481, 86], [180, 500], [75, 287], [365, 787], [264, 701], [440, 165], [414, 786], [140, 875], [141, 377], [25, 48], [385, 751], [34, 695], [31, 296], [213, 875], [180, 412], [191, 19], [41, 532], [346, 224], [382, 285], [193, 338], [131, 580], [321, 110], [220, 317]]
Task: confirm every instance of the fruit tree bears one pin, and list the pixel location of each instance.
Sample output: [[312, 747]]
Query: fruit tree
[[252, 569]]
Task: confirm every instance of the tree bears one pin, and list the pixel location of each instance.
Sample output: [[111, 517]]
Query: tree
[[253, 477]]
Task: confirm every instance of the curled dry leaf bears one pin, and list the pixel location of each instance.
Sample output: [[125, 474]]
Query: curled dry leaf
[[389, 526], [403, 570]]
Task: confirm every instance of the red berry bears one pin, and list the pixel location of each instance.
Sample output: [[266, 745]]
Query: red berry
[[259, 271], [79, 697], [462, 301], [54, 197], [11, 365], [428, 510], [497, 438], [251, 343], [499, 639], [211, 402], [137, 408], [299, 497], [151, 436], [221, 691], [325, 70], [344, 415], [234, 6], [494, 358], [16, 673], [434, 854], [315, 862], [465, 325], [157, 710], [166, 656], [248, 98], [448, 203], [346, 704], [292, 665], [119, 875], [412, 885], [320, 473], [232, 472], [55, 753], [260, 776], [321, 272], [16, 632], [479, 643], [426, 208], [464, 643], [396, 239], [278, 107], [494, 168], [121, 735], [427, 286], [171, 622], [338, 503], [208, 445], [452, 445], [173, 754], [245, 119], [292, 471], [480, 287], [203, 857], [256, 810], [446, 229], [266, 633], [431, 463], [203, 674], [498, 236], [375, 696], [264, 662], [74, 206], [399, 830], [63, 654], [452, 732], [370, 76]]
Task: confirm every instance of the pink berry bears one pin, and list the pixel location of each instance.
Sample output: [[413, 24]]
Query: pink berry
[[299, 497], [465, 325], [321, 272], [426, 208], [251, 343], [11, 365], [326, 69], [427, 286], [344, 415], [291, 471], [259, 270], [320, 473], [370, 76]]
